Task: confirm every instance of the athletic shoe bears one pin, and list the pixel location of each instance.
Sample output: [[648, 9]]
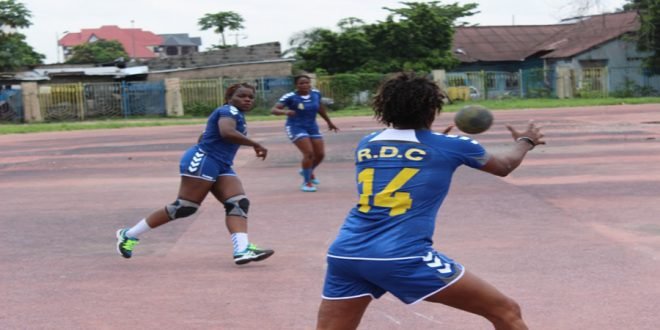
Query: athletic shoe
[[314, 179], [252, 253], [125, 244], [308, 187]]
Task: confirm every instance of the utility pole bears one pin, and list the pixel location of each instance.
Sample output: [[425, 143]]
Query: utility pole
[[236, 35], [133, 39], [57, 44]]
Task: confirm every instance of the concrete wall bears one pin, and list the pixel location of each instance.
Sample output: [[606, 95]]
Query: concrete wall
[[245, 70], [253, 53]]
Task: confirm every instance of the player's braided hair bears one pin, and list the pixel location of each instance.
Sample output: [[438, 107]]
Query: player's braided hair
[[232, 89], [407, 101]]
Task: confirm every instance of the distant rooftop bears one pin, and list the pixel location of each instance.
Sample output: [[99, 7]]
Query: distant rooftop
[[180, 39], [517, 42], [136, 42]]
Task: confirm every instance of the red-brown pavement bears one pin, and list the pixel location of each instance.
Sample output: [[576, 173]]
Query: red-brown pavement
[[573, 235]]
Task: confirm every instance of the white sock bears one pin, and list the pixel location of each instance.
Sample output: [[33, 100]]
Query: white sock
[[139, 229], [240, 241]]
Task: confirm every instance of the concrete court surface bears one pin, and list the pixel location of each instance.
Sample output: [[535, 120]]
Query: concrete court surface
[[573, 235]]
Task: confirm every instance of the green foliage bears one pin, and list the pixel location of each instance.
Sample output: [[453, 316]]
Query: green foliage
[[15, 53], [199, 109], [417, 37], [221, 21], [102, 51], [344, 88], [14, 15], [649, 32]]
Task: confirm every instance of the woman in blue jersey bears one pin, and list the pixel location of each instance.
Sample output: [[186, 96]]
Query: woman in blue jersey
[[207, 167], [301, 107], [403, 174]]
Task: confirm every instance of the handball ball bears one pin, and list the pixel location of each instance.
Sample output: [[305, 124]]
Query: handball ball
[[473, 119]]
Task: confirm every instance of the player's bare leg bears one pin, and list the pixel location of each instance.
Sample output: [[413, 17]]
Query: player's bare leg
[[319, 154], [190, 189], [229, 191], [319, 151], [307, 164], [344, 314], [192, 192], [226, 187], [475, 295]]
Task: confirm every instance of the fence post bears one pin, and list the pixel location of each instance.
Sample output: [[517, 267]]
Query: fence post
[[80, 99], [124, 99], [173, 100], [484, 81], [521, 83], [31, 108], [222, 91], [440, 76]]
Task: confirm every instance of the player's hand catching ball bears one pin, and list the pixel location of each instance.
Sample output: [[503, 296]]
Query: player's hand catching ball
[[532, 135]]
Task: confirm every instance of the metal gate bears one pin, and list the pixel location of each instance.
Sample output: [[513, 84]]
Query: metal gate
[[11, 105], [143, 98]]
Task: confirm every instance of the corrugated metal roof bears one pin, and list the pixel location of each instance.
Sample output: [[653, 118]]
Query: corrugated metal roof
[[595, 30], [516, 43], [501, 43]]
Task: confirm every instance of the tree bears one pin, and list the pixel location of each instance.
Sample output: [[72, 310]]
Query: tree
[[14, 51], [97, 52], [221, 21], [649, 32], [14, 15], [416, 37]]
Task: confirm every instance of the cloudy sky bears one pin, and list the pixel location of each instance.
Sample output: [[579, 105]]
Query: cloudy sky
[[265, 20]]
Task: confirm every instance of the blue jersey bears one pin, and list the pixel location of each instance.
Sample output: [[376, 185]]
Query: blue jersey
[[402, 178], [212, 142], [306, 107]]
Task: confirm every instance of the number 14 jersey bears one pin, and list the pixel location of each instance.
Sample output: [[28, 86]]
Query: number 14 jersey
[[402, 178]]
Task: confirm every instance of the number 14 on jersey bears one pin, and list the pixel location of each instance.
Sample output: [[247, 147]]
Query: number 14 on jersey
[[390, 197]]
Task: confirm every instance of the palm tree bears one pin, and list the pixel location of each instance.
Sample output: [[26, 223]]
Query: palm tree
[[221, 21]]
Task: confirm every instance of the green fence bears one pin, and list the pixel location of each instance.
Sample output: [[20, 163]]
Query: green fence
[[200, 97], [84, 101]]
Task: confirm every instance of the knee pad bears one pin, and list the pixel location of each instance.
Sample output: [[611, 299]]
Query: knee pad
[[237, 205], [181, 208]]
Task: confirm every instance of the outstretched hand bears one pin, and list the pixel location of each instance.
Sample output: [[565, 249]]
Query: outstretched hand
[[261, 151], [533, 133], [332, 127]]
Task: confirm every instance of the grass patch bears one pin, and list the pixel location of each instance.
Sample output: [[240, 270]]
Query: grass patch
[[349, 112]]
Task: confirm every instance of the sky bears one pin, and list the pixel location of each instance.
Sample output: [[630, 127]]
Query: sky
[[265, 20]]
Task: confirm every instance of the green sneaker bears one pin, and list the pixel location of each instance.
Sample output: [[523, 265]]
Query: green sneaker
[[252, 253], [125, 244]]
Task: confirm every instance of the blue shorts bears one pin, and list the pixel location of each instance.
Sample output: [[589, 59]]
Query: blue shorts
[[197, 164], [295, 132], [411, 279]]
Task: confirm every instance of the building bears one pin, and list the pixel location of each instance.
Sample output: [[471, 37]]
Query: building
[[597, 51], [139, 44], [179, 44]]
